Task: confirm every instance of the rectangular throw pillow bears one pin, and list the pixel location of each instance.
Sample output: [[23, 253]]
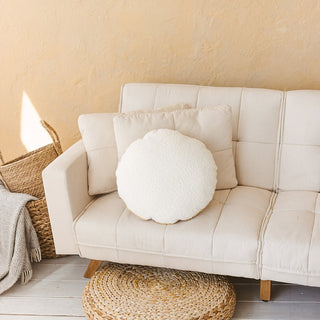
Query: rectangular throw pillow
[[212, 126], [99, 141]]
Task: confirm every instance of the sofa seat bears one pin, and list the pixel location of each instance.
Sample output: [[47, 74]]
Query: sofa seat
[[276, 145], [291, 250], [224, 238]]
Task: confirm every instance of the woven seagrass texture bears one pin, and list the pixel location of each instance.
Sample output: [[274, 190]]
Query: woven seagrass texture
[[24, 175], [124, 292], [40, 219]]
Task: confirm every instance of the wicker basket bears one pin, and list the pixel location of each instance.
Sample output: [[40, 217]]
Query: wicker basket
[[23, 175], [40, 219]]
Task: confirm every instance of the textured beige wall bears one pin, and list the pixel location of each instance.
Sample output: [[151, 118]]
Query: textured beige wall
[[71, 57]]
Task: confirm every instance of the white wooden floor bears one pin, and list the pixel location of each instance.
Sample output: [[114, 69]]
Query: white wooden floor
[[54, 293]]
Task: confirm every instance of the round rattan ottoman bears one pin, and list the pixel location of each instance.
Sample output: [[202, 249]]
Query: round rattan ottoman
[[128, 292]]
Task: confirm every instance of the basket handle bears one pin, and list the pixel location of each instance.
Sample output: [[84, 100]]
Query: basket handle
[[1, 177], [1, 159], [54, 136]]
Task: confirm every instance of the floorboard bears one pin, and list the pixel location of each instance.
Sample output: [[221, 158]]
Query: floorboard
[[54, 293], [50, 289], [279, 293], [279, 311], [41, 306], [19, 317]]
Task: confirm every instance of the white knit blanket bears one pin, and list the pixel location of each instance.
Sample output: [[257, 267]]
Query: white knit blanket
[[19, 245]]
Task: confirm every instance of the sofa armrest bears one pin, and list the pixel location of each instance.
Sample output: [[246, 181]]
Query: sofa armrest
[[66, 189]]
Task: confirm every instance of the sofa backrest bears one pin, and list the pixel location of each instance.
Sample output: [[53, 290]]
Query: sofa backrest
[[276, 135], [300, 142]]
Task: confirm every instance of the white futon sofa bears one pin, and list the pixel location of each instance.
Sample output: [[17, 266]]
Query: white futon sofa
[[267, 227]]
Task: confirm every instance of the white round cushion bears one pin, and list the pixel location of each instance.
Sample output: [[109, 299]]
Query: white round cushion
[[166, 176]]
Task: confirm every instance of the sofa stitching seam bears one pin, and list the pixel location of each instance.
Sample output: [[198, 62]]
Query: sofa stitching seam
[[155, 97], [312, 233], [283, 270], [100, 148], [116, 233], [197, 100], [276, 171], [238, 124], [121, 98], [240, 108], [173, 120], [167, 254], [257, 142], [279, 211], [262, 232], [280, 142], [215, 228], [164, 244], [221, 150], [75, 222]]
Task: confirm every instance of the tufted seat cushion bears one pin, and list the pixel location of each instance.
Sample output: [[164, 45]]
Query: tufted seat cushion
[[291, 251], [276, 147], [222, 239]]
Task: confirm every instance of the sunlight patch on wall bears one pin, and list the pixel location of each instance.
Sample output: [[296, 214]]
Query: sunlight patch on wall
[[32, 134]]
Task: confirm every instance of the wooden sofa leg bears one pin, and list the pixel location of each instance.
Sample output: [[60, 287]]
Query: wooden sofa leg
[[265, 290], [92, 268]]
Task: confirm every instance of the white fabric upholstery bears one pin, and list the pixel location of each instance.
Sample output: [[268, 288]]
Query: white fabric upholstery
[[212, 126], [221, 239], [166, 176], [291, 250], [247, 231], [65, 183], [99, 140], [300, 150], [256, 114]]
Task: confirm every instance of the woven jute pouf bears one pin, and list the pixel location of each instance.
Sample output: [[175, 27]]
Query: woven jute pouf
[[128, 292]]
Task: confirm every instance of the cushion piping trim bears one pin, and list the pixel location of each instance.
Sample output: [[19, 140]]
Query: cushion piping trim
[[121, 97], [262, 232], [283, 143], [288, 271], [164, 254], [312, 233], [116, 233], [104, 192], [287, 188], [239, 115], [237, 135], [222, 150], [197, 100], [300, 145], [77, 219], [280, 141], [293, 210], [164, 243], [101, 148], [155, 97], [257, 142], [215, 228]]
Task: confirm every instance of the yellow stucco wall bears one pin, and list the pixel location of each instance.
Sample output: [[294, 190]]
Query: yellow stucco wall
[[71, 57]]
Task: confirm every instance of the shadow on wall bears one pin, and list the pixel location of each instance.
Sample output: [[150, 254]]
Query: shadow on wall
[[71, 57]]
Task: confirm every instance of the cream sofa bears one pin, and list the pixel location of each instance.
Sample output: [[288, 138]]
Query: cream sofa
[[268, 227]]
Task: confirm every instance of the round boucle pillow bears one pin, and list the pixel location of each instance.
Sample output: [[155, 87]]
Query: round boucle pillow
[[166, 176]]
